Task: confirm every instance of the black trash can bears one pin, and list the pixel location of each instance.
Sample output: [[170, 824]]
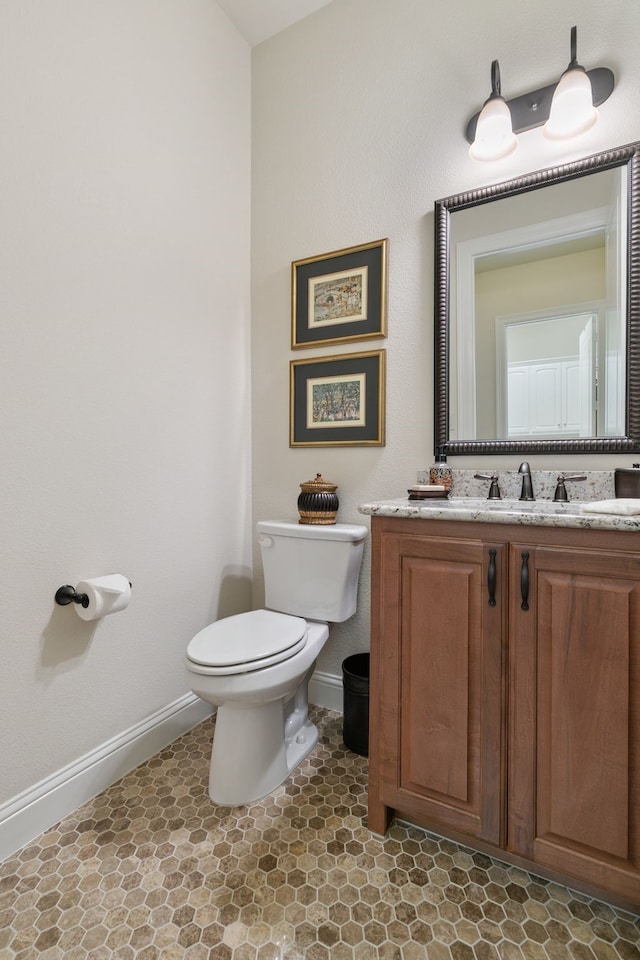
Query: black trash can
[[355, 687]]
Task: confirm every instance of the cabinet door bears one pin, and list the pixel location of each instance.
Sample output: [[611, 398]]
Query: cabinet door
[[574, 753], [440, 729]]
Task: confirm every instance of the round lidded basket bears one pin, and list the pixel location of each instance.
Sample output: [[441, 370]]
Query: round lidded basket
[[318, 503]]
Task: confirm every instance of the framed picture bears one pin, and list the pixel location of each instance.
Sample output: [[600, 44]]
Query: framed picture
[[338, 400], [340, 296]]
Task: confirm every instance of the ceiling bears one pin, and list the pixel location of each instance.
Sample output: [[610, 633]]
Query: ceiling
[[259, 19]]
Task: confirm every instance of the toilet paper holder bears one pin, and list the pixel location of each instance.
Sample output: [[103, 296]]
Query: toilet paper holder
[[68, 594]]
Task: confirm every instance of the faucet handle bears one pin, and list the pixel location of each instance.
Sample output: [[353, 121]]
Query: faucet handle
[[494, 489], [560, 495]]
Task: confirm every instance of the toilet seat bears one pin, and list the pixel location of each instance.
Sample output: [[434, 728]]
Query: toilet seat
[[246, 642]]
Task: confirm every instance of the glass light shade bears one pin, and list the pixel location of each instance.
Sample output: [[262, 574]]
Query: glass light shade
[[572, 109], [494, 138]]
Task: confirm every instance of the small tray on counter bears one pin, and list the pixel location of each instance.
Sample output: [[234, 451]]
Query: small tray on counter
[[428, 492]]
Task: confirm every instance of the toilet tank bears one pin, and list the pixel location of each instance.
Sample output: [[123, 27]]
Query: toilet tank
[[311, 571]]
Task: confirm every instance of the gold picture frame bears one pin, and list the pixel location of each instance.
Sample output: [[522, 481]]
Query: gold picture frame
[[338, 401], [340, 296]]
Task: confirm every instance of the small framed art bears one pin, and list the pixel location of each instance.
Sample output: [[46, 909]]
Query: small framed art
[[338, 400], [339, 296]]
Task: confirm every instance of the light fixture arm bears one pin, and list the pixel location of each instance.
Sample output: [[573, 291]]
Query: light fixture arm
[[573, 63], [532, 109], [495, 80]]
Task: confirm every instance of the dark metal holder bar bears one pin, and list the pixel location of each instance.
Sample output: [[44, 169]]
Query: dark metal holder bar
[[68, 594]]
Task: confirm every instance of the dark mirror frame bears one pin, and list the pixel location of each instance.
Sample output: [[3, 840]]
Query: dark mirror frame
[[628, 156]]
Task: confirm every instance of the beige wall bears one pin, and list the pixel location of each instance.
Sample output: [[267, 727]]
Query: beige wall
[[358, 121], [124, 358]]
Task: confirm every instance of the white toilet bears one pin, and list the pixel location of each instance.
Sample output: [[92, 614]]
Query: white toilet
[[255, 667]]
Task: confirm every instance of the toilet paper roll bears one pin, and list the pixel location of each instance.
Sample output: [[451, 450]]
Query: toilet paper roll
[[106, 595]]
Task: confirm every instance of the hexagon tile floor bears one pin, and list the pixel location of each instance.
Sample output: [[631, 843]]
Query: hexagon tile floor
[[152, 870]]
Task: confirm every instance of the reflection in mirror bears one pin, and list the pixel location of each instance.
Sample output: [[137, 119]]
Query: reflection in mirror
[[541, 266], [547, 377], [536, 317]]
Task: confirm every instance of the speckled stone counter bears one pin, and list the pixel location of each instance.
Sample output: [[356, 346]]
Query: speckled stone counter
[[539, 513], [468, 503]]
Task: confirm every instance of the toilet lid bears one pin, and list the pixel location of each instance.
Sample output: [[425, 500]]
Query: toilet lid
[[260, 635]]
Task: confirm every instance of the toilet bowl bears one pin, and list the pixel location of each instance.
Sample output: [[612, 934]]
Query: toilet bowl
[[257, 741], [255, 667]]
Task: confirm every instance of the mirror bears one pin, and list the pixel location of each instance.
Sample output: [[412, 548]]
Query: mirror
[[537, 322]]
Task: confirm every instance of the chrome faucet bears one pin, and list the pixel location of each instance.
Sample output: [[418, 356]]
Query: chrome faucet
[[527, 486]]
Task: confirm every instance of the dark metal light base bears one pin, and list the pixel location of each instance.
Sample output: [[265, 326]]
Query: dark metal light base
[[532, 109]]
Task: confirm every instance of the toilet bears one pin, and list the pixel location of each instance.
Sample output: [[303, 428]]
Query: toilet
[[255, 667]]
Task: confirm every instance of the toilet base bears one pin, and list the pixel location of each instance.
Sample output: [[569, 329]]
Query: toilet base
[[250, 757], [302, 745], [255, 748]]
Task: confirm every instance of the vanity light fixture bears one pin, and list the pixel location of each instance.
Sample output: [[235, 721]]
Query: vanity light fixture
[[494, 136], [565, 109], [572, 110]]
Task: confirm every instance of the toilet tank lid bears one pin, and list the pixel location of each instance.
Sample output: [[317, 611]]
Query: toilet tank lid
[[336, 531]]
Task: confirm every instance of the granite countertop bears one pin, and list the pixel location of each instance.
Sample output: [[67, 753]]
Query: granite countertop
[[468, 502], [541, 513]]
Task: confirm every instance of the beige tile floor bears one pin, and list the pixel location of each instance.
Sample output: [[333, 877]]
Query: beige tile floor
[[151, 869]]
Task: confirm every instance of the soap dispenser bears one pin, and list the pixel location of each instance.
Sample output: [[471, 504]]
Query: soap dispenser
[[440, 472]]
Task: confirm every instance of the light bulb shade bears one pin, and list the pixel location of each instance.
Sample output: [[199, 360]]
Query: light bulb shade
[[494, 138], [572, 109]]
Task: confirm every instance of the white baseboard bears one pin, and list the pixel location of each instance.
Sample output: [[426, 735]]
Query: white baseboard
[[325, 690], [33, 811], [30, 813]]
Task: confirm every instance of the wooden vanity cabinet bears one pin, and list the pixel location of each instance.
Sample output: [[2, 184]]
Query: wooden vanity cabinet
[[437, 698], [505, 694]]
